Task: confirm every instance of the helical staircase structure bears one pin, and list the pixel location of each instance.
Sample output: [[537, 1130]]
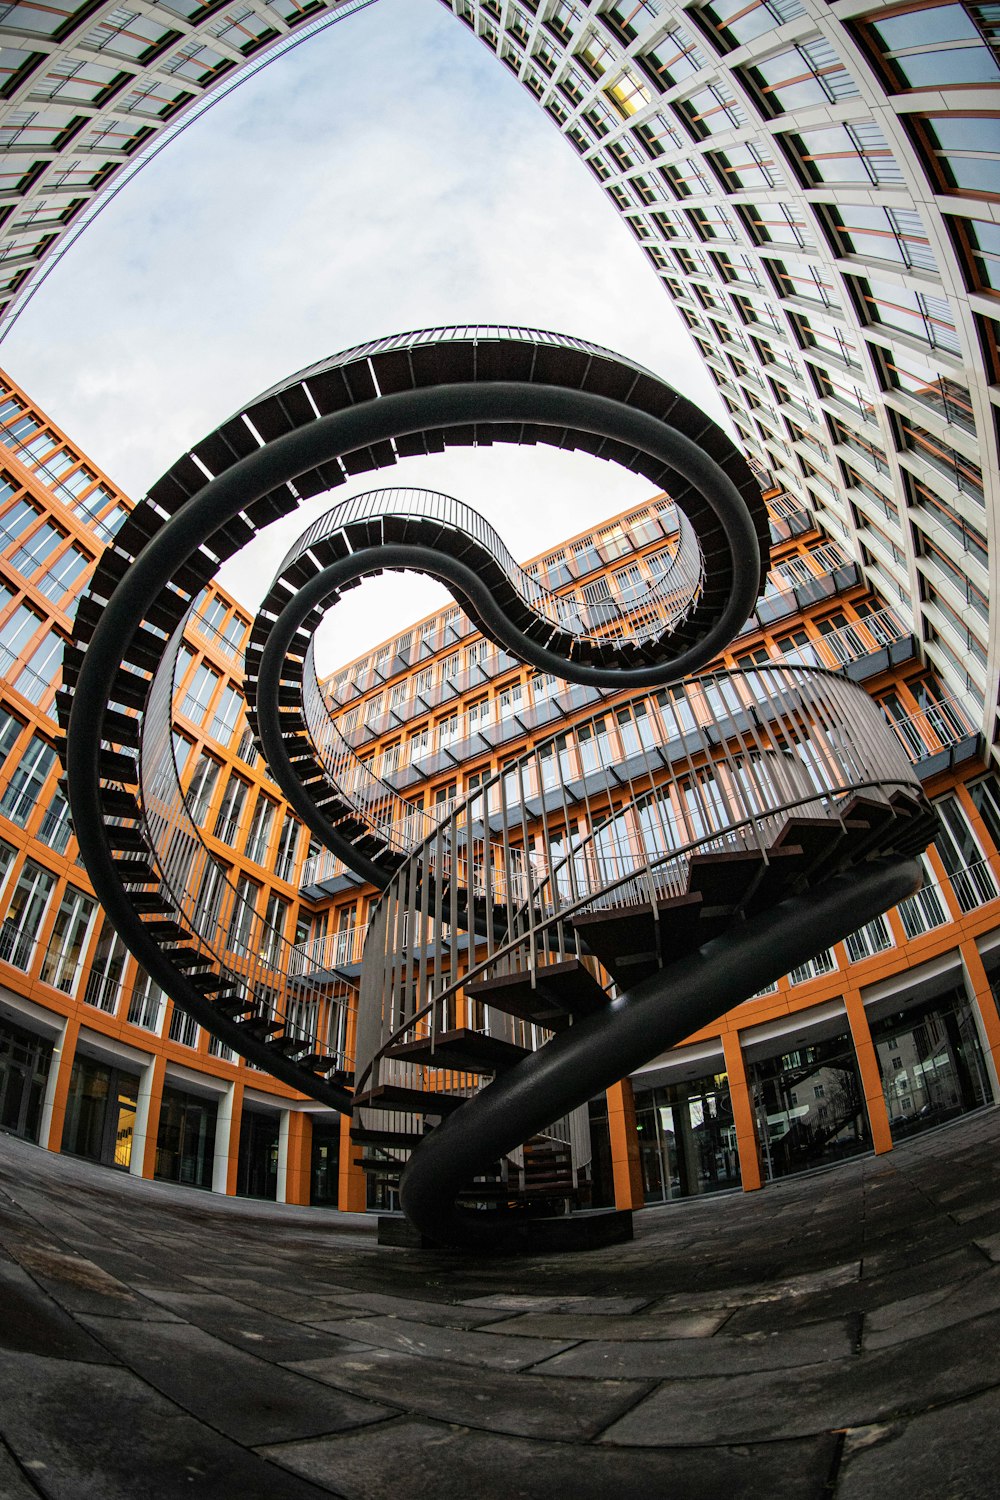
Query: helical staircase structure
[[589, 905]]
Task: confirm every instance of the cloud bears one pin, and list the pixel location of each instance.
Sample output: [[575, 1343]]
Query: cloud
[[386, 175]]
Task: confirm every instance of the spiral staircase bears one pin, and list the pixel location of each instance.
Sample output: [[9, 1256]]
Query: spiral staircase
[[584, 909]]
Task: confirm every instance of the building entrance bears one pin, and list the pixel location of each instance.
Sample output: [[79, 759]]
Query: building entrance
[[24, 1071], [100, 1113]]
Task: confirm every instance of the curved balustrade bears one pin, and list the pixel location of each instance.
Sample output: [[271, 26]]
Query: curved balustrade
[[263, 978]]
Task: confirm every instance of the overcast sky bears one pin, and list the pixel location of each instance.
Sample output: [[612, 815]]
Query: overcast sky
[[387, 175]]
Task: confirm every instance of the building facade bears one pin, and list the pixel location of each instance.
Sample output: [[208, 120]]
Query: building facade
[[816, 187]]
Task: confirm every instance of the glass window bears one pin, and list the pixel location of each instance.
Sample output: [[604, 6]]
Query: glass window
[[185, 1142], [964, 151], [64, 955], [25, 914], [10, 728], [970, 874], [39, 671], [960, 471], [711, 111], [810, 73], [809, 1106], [892, 234], [26, 781], [948, 397], [223, 725], [104, 982], [15, 633], [979, 241], [921, 316], [227, 820], [199, 793], [931, 1063], [687, 1139], [856, 152], [932, 47], [736, 22], [259, 834], [243, 920]]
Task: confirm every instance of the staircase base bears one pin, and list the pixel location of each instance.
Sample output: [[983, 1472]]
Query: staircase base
[[590, 1230]]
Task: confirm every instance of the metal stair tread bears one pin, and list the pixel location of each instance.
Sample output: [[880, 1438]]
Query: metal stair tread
[[560, 991], [463, 1050], [413, 1101]]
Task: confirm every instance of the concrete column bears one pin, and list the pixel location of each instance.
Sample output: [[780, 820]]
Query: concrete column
[[294, 1156], [871, 1079], [625, 1162], [743, 1117], [147, 1118], [227, 1140], [50, 1131]]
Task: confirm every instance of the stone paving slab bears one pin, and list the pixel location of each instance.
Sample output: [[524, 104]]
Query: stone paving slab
[[945, 1307], [842, 1327], [416, 1460], [829, 1397], [13, 1483], [245, 1398], [32, 1323], [521, 1405], [690, 1358], [259, 1333], [517, 1302], [947, 1454], [572, 1325], [445, 1314], [99, 1433], [484, 1350]]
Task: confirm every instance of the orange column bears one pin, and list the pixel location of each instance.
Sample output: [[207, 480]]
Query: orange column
[[871, 1078], [352, 1196], [57, 1091], [984, 998], [147, 1118], [743, 1118], [625, 1163], [296, 1131]]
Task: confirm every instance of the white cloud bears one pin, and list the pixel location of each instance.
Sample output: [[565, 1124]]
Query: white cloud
[[389, 174]]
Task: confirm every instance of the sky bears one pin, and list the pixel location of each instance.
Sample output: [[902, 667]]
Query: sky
[[388, 174]]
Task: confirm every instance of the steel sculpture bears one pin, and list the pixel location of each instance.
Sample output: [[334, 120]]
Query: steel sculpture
[[752, 794]]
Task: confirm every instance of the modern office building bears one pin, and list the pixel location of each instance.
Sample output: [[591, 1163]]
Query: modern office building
[[816, 186]]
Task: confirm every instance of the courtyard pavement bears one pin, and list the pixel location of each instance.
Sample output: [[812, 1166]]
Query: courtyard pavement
[[835, 1336]]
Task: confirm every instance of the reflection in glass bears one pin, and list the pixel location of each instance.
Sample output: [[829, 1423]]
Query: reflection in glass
[[931, 1063], [809, 1106], [687, 1140]]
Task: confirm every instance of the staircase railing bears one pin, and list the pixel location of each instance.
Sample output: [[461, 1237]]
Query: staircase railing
[[721, 766], [259, 963]]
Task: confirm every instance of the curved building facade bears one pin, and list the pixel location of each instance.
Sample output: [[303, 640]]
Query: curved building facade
[[817, 188]]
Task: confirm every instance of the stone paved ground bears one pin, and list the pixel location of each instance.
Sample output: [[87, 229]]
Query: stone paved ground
[[838, 1336]]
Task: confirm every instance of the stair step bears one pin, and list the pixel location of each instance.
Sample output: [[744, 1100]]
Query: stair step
[[365, 1135], [724, 877], [630, 939], [413, 1101], [463, 1050], [377, 1166], [561, 991]]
